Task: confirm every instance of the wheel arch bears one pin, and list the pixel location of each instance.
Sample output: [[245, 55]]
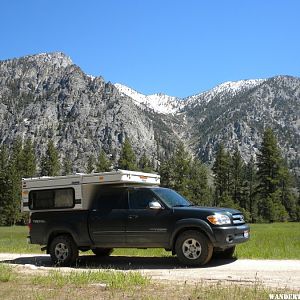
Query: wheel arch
[[57, 232], [191, 224]]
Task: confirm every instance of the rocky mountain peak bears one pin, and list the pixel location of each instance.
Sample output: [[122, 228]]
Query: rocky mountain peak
[[54, 58], [228, 88], [159, 102]]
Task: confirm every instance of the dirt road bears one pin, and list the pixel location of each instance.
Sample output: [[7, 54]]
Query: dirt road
[[273, 273]]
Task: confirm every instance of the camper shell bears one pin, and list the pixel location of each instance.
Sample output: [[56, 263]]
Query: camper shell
[[75, 192]]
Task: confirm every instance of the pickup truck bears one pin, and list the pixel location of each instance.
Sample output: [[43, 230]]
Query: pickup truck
[[131, 216]]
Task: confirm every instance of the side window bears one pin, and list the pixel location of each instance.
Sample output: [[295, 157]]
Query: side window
[[52, 199], [110, 199], [140, 198]]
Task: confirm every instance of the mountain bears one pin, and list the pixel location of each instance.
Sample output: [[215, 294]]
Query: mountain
[[238, 116], [47, 96], [159, 103]]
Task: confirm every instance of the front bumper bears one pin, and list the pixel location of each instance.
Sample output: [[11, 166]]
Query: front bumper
[[226, 236]]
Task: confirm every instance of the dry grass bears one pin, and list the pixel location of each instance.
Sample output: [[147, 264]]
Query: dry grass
[[99, 285]]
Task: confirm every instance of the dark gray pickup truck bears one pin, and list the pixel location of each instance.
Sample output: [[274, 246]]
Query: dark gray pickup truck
[[137, 217]]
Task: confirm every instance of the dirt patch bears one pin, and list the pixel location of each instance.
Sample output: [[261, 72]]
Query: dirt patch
[[273, 273]]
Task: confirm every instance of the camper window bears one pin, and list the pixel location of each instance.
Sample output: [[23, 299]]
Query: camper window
[[52, 199]]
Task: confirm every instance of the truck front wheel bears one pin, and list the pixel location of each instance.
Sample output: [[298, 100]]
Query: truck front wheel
[[63, 250], [193, 248]]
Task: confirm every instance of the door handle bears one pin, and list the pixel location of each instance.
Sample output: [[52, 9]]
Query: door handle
[[132, 217]]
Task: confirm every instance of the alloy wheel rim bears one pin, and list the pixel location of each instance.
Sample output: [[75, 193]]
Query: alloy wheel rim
[[191, 248], [61, 251]]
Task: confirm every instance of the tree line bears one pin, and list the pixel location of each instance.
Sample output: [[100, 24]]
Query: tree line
[[264, 190]]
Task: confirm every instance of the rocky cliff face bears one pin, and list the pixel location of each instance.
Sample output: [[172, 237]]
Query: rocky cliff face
[[47, 96], [239, 116]]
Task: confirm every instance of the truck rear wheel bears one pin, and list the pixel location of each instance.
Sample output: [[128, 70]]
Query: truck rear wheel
[[102, 251], [193, 248], [63, 250]]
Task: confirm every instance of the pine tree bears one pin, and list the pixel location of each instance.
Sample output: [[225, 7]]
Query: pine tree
[[274, 190], [103, 163], [166, 172], [236, 176], [187, 176], [4, 184], [182, 166], [199, 192], [50, 165], [17, 156], [268, 163], [16, 171], [175, 171], [145, 164], [29, 160], [288, 197], [10, 183], [12, 210], [90, 164], [67, 166], [221, 170], [248, 192], [4, 157], [127, 159]]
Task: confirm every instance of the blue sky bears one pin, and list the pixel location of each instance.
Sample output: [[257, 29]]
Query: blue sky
[[176, 47]]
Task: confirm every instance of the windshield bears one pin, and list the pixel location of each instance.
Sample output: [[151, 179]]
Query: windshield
[[171, 198]]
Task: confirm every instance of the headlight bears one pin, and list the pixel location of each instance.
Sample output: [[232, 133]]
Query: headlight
[[219, 219]]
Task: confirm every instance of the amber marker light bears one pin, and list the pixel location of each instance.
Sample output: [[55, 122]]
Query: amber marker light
[[219, 219]]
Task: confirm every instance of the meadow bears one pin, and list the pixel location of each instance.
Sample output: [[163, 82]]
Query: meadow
[[117, 285], [268, 241]]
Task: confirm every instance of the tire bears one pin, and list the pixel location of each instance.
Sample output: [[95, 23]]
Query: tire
[[102, 251], [193, 248], [63, 250], [225, 254]]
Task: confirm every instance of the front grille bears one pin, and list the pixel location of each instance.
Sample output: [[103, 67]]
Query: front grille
[[238, 219]]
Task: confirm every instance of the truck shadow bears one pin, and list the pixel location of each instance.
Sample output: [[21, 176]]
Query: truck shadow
[[115, 262]]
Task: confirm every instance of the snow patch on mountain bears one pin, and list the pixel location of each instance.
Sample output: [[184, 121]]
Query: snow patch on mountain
[[226, 88], [236, 86], [160, 103]]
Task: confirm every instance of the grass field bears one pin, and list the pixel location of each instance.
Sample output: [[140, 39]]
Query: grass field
[[117, 285], [268, 241], [272, 241]]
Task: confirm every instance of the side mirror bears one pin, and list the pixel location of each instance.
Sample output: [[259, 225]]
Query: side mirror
[[155, 205]]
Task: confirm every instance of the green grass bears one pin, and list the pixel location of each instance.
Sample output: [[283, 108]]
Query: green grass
[[14, 240], [117, 285], [268, 241], [272, 241], [151, 252], [113, 279], [6, 273]]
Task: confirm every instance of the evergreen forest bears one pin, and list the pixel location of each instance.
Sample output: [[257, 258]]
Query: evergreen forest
[[263, 188]]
